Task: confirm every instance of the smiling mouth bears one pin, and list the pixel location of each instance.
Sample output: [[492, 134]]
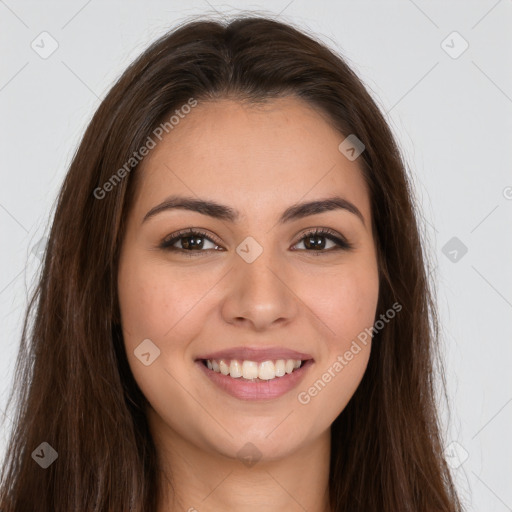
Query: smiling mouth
[[252, 371]]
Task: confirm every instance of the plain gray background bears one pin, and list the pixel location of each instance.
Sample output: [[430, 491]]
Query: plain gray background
[[449, 109]]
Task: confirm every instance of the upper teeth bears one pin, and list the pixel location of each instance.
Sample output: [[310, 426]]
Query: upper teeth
[[251, 370]]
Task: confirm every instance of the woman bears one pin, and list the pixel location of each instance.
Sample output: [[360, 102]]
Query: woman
[[234, 310]]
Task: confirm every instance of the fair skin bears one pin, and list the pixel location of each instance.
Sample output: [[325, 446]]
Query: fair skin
[[258, 161]]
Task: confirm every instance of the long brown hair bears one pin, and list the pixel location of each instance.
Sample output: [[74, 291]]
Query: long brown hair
[[73, 387]]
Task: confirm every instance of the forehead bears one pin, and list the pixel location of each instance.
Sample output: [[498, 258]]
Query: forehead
[[253, 157]]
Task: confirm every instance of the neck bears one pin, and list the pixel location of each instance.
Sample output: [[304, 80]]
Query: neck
[[195, 479]]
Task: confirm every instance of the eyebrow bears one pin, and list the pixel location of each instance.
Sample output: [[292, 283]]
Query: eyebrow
[[226, 213]]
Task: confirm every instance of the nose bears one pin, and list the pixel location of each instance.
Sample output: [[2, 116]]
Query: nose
[[259, 294]]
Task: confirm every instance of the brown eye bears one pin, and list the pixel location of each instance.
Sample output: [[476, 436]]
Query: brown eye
[[190, 240], [315, 241]]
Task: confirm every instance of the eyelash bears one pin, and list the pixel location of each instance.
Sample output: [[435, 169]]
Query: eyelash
[[167, 244]]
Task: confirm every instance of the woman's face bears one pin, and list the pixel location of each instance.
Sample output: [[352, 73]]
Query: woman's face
[[251, 280]]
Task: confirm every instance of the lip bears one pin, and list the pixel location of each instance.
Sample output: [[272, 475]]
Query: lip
[[258, 355], [244, 389]]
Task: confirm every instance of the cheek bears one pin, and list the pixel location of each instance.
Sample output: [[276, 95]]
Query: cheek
[[165, 307], [347, 307], [154, 305], [152, 301], [346, 302], [332, 385]]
